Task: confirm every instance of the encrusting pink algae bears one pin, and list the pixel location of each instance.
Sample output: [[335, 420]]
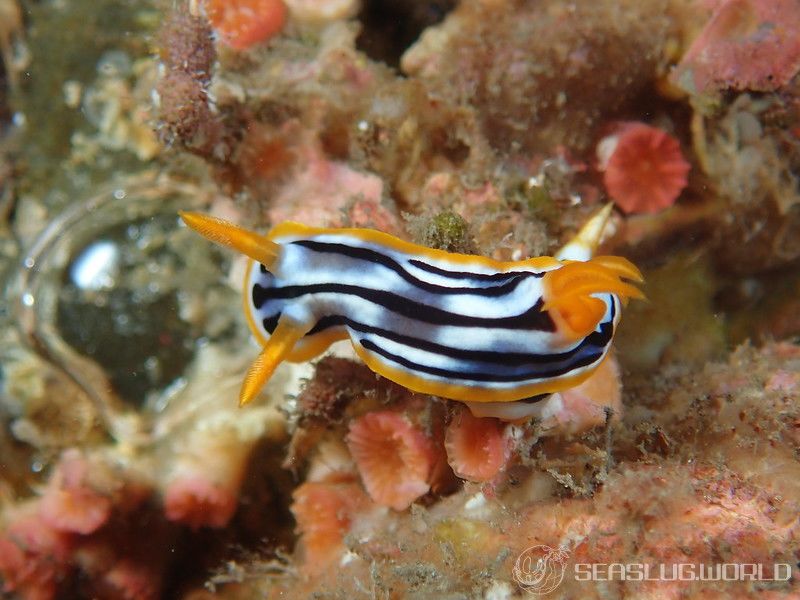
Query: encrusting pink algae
[[488, 127]]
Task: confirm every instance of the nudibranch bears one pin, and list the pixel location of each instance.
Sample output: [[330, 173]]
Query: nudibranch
[[463, 327]]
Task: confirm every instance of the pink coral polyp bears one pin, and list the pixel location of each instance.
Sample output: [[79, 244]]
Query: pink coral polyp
[[393, 457], [198, 502], [33, 555], [323, 511], [645, 171], [70, 503], [75, 510], [476, 448], [244, 23]]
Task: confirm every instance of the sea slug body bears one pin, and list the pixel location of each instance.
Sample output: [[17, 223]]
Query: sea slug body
[[458, 326]]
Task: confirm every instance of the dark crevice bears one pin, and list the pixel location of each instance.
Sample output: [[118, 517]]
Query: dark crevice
[[389, 27]]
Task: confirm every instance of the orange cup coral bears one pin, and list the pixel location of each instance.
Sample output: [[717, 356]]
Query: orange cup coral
[[587, 405], [323, 511], [476, 447], [644, 169], [393, 457], [242, 24]]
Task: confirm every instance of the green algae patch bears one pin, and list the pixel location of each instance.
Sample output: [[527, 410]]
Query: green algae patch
[[446, 230]]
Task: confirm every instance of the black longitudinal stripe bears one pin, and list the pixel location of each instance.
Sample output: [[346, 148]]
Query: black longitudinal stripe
[[270, 323], [534, 399], [478, 376], [531, 319], [423, 266], [374, 257], [597, 339]]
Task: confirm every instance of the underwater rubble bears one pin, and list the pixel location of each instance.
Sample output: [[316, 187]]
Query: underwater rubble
[[488, 127]]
